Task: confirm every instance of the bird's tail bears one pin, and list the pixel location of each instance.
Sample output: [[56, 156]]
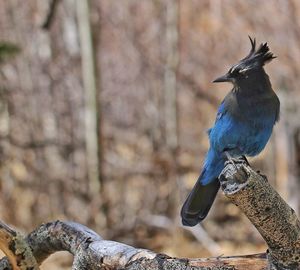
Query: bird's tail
[[202, 196]]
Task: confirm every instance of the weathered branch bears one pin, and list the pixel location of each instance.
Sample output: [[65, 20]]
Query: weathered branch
[[92, 252], [250, 191], [16, 249], [269, 213]]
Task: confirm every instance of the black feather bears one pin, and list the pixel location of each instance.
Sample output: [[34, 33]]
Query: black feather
[[258, 57], [253, 45]]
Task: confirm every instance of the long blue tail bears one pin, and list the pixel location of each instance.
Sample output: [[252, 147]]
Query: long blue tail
[[202, 196]]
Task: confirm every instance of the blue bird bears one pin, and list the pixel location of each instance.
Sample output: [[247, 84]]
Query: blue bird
[[243, 126]]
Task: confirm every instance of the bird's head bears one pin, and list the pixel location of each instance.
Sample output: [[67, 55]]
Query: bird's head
[[248, 66]]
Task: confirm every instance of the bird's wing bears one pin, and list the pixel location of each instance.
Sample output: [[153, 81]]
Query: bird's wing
[[227, 133], [238, 137]]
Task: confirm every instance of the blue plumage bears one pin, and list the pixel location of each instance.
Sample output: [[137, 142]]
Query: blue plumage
[[243, 126], [212, 167]]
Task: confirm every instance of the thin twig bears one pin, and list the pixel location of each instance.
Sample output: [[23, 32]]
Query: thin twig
[[51, 15]]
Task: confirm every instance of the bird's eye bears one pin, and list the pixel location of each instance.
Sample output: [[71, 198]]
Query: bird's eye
[[242, 71]]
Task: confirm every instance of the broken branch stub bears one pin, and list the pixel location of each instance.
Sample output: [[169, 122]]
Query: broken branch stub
[[269, 213], [13, 245]]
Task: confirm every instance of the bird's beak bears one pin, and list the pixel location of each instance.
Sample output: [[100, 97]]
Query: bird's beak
[[224, 78]]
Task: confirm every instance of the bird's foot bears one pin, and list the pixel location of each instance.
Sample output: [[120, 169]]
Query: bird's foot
[[244, 160], [233, 176], [237, 165], [239, 160]]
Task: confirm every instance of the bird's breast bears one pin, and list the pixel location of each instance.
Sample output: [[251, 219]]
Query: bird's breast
[[244, 126]]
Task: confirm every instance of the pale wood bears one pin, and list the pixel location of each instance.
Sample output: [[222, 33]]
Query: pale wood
[[92, 252], [90, 90]]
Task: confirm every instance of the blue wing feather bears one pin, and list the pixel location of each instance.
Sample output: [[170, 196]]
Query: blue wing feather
[[239, 137]]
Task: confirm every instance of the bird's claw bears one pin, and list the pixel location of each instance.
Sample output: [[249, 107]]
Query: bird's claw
[[238, 172], [234, 161]]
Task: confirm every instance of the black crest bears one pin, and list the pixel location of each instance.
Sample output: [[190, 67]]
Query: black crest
[[258, 57]]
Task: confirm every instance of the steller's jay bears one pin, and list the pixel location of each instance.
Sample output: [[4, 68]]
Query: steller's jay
[[243, 126]]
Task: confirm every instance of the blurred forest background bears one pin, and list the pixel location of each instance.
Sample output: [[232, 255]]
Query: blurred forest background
[[104, 107]]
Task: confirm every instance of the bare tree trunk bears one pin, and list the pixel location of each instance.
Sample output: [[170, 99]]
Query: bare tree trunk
[[170, 76], [288, 150], [90, 88]]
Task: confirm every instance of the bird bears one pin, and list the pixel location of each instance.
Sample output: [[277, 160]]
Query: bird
[[243, 126]]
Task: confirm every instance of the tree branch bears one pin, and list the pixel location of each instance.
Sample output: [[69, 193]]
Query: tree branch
[[92, 252], [269, 213], [51, 14], [16, 249]]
